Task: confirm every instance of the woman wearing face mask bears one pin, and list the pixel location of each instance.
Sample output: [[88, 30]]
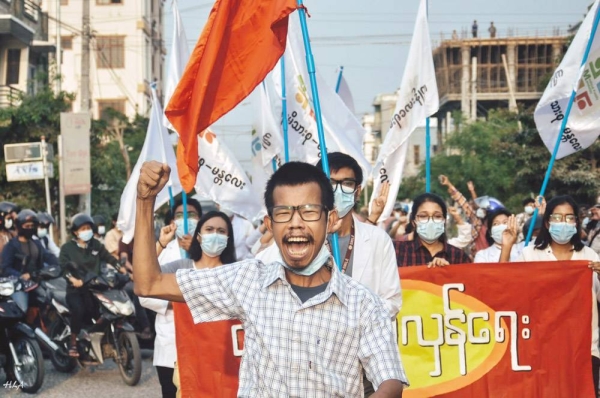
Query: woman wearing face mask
[[498, 221], [429, 246], [559, 240], [88, 253], [212, 246]]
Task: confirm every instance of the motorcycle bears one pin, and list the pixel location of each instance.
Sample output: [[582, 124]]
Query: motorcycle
[[20, 353], [110, 336]]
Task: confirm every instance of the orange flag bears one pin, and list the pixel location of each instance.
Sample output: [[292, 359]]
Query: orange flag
[[241, 42]]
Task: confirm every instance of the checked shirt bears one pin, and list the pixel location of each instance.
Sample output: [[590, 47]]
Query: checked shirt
[[291, 349]]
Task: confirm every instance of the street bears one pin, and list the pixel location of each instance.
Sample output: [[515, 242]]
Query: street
[[98, 382]]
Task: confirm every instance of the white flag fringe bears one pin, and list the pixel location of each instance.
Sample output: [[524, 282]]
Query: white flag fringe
[[178, 59], [157, 146], [222, 179], [417, 99], [582, 127]]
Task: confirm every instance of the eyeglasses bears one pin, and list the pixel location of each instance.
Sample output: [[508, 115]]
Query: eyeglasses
[[569, 218], [423, 218], [348, 185], [281, 214], [191, 214]]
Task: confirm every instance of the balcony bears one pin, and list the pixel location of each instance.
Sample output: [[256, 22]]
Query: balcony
[[24, 20], [9, 96]]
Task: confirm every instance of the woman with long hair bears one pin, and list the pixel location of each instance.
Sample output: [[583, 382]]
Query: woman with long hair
[[429, 246], [559, 239], [212, 246]]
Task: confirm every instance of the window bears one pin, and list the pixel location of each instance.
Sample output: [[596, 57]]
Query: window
[[108, 2], [110, 51], [13, 63], [417, 155], [66, 42], [116, 104], [64, 2]]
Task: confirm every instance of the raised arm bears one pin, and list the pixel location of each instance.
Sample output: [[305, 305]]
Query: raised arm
[[149, 280]]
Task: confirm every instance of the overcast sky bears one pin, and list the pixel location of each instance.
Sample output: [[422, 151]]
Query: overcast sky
[[371, 39]]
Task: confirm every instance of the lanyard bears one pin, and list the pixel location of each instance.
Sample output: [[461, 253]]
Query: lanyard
[[349, 251]]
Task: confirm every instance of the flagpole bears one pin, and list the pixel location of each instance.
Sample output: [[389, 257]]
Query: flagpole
[[310, 65], [284, 122], [339, 80], [162, 141], [185, 215], [564, 122], [427, 156]]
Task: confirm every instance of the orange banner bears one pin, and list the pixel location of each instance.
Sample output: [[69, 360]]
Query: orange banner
[[465, 331], [497, 330]]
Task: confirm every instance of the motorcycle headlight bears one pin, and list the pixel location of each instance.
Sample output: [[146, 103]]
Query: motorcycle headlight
[[7, 288], [125, 308]]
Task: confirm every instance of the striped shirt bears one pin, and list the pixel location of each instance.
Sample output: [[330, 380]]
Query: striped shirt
[[292, 349]]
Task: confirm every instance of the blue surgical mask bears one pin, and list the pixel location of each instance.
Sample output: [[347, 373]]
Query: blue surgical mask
[[213, 244], [314, 266], [192, 223], [496, 233], [562, 232], [430, 231], [86, 235], [344, 202]]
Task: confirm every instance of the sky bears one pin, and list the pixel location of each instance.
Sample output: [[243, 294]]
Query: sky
[[371, 40]]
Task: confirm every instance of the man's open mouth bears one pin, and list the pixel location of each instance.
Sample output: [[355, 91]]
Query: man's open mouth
[[297, 246]]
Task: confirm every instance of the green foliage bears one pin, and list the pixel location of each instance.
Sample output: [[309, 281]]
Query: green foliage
[[39, 115], [508, 163]]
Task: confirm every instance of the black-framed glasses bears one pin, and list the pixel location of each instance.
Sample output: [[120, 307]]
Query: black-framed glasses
[[348, 185], [568, 218], [308, 212], [423, 218]]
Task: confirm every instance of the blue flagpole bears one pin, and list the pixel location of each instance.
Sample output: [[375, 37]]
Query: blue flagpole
[[284, 122], [274, 164], [563, 124], [427, 156], [171, 200], [310, 65], [339, 80], [185, 214]]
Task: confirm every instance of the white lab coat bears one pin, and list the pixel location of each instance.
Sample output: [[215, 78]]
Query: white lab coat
[[374, 263], [165, 350], [243, 237]]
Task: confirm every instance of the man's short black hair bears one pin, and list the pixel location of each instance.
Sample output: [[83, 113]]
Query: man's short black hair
[[526, 201], [179, 202], [338, 161], [299, 173]]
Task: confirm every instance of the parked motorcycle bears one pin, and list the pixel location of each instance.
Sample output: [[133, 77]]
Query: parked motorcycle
[[110, 336], [20, 353]]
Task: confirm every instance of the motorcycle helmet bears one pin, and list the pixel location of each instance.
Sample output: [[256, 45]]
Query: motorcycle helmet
[[5, 209], [80, 219], [25, 216], [488, 203], [45, 218]]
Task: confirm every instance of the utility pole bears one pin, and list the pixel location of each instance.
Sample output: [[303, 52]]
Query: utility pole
[[58, 49], [85, 201]]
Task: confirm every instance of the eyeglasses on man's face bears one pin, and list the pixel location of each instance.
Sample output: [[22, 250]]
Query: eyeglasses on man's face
[[309, 212], [347, 185], [568, 218]]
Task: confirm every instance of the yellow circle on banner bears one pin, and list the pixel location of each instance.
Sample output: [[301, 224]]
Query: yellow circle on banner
[[445, 347]]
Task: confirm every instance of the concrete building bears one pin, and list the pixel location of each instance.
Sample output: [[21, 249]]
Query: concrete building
[[127, 52], [24, 49]]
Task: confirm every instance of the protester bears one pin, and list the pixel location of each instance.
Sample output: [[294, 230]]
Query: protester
[[176, 249], [497, 222], [463, 238], [593, 234], [43, 233], [528, 209], [23, 256], [245, 234], [288, 306], [559, 240], [492, 30], [213, 246], [6, 224], [398, 226], [99, 227], [429, 246], [113, 237], [87, 253]]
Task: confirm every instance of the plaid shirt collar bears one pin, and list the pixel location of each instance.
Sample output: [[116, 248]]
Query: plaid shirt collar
[[336, 285]]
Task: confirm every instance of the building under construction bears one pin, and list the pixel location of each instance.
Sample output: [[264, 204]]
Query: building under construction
[[475, 75]]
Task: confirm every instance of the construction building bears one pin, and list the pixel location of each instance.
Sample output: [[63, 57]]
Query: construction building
[[24, 49], [125, 55]]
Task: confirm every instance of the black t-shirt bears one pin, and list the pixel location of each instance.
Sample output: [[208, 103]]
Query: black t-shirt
[[306, 293], [32, 257]]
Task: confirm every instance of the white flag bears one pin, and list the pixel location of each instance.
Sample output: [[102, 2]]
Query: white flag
[[343, 132], [344, 92], [417, 100], [157, 146], [222, 179], [582, 126], [268, 132], [178, 59]]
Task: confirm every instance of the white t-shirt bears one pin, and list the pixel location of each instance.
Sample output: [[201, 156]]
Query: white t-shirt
[[530, 253], [492, 254]]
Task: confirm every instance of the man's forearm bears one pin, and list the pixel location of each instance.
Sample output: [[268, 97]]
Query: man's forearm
[[389, 388]]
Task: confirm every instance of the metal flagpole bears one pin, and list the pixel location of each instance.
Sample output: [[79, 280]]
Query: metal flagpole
[[564, 123], [310, 65], [284, 122], [339, 80]]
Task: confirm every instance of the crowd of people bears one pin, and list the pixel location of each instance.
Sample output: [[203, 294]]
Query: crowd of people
[[280, 278]]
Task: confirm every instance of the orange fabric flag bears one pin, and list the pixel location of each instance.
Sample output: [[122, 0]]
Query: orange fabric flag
[[241, 43]]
